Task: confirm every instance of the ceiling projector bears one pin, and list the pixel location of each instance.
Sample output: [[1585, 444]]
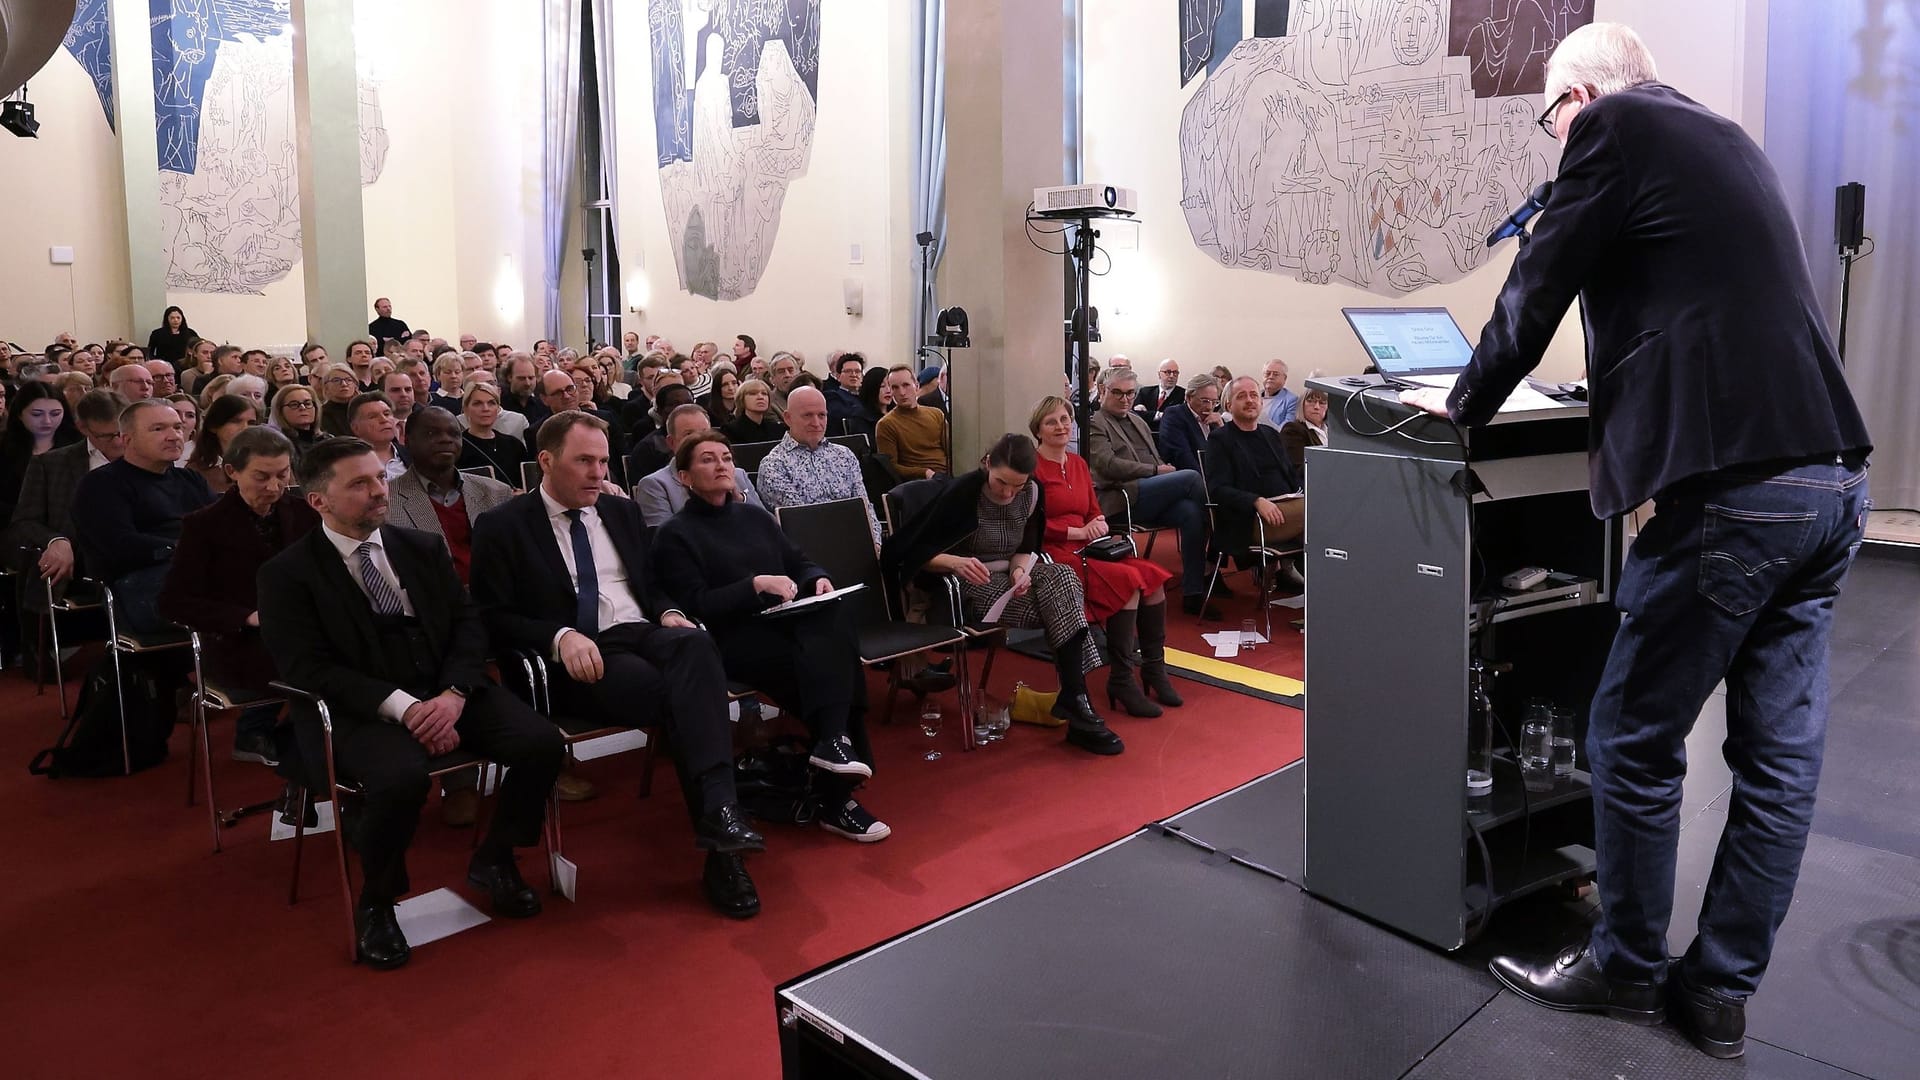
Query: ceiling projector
[[1084, 200]]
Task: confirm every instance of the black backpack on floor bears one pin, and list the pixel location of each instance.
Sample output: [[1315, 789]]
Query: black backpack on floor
[[90, 745]]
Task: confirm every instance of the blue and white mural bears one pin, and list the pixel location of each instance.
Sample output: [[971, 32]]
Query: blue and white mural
[[223, 112], [734, 99]]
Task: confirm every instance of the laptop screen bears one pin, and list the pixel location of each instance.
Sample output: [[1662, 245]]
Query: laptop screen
[[1410, 341]]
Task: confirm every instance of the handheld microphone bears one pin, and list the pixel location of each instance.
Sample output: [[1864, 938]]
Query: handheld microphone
[[1516, 223]]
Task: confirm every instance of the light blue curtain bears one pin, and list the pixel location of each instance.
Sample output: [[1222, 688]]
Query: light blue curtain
[[930, 158], [559, 145], [1840, 79]]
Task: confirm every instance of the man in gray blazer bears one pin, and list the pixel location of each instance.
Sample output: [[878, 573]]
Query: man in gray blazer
[[43, 518], [433, 495], [660, 493], [1128, 473]]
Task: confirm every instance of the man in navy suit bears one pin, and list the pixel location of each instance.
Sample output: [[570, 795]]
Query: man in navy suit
[[1716, 393], [564, 571]]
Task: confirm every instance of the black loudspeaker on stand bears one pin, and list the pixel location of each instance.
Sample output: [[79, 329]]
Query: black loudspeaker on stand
[[1849, 233]]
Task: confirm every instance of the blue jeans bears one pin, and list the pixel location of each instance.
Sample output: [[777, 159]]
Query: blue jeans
[[1733, 578], [1178, 499]]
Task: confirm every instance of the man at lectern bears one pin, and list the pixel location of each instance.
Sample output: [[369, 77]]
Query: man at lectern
[[1714, 392]]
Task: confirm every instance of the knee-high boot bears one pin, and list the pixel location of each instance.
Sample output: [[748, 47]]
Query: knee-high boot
[[1153, 654], [1085, 728], [1123, 689]]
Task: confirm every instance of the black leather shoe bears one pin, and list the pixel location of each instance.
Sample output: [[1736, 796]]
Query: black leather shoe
[[1076, 709], [512, 897], [1573, 982], [1192, 605], [292, 796], [382, 946], [725, 831], [728, 887], [928, 680], [1715, 1024], [836, 756]]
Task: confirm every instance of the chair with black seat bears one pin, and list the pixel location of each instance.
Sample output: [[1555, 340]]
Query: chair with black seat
[[123, 642], [835, 536], [1265, 557], [856, 442], [82, 596], [748, 456], [210, 697], [339, 789], [949, 609]]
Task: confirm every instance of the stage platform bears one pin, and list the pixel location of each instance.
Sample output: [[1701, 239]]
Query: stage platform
[[1186, 949]]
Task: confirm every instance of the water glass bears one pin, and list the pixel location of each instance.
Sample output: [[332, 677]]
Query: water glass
[[930, 719], [999, 721], [1536, 754], [1563, 743], [1248, 635]]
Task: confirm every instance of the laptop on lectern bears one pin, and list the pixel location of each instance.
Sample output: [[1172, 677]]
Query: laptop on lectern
[[1420, 346]]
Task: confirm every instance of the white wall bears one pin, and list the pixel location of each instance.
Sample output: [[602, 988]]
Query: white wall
[[63, 189], [1164, 297], [854, 192]]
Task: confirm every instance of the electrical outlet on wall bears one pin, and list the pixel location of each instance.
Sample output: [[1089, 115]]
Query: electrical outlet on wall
[[60, 256], [856, 254]]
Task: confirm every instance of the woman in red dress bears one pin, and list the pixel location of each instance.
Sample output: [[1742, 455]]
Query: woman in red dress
[[1129, 596]]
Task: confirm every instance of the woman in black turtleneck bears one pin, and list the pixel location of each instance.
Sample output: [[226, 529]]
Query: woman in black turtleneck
[[724, 561], [170, 339]]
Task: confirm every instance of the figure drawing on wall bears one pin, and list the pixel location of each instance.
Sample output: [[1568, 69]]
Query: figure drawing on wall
[[735, 84], [1365, 143]]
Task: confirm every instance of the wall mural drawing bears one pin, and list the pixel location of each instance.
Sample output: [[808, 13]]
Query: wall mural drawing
[[1361, 146], [223, 110], [735, 89]]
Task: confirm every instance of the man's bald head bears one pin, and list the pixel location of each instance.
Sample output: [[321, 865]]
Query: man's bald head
[[807, 416]]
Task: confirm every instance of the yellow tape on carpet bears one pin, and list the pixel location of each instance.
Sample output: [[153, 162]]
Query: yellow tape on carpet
[[1237, 674]]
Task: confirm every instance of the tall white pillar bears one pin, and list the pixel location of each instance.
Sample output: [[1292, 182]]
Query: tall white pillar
[[326, 108], [130, 37]]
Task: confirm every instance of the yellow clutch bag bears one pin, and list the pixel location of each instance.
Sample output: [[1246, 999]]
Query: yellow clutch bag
[[1030, 706]]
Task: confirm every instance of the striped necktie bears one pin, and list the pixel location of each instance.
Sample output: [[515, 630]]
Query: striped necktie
[[386, 601]]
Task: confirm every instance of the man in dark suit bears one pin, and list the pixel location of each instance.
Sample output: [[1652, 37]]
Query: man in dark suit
[[1128, 474], [1714, 391], [1254, 484], [1157, 399], [372, 618], [564, 571], [43, 518]]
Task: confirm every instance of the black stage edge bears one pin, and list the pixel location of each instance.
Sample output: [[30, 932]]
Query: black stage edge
[[1185, 949]]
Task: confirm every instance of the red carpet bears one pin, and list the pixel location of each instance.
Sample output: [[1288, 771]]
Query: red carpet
[[130, 949]]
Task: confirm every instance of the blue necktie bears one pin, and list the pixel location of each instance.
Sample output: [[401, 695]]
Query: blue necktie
[[586, 579]]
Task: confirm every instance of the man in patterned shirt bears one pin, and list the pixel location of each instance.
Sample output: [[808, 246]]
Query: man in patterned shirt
[[806, 468]]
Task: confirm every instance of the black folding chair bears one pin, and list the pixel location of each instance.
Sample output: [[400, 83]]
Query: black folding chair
[[836, 536], [748, 456], [1265, 557], [900, 505], [208, 697]]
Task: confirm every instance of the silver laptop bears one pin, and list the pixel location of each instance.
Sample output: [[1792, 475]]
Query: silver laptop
[[1416, 346]]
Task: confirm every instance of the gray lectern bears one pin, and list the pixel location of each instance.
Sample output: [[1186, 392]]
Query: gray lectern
[[1411, 526]]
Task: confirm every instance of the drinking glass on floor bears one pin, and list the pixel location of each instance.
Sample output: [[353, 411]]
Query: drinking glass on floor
[[930, 719]]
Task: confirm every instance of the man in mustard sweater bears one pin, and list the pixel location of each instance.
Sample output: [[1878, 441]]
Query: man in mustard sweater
[[912, 435]]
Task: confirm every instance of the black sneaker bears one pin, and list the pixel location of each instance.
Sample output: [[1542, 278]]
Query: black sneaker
[[836, 756], [257, 747], [853, 822]]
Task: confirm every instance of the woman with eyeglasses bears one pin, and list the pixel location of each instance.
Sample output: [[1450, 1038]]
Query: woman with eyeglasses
[[987, 529], [337, 385], [296, 413]]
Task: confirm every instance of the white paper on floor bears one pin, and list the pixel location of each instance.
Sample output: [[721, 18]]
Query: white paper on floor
[[1227, 643], [283, 831], [435, 915], [566, 876], [617, 743]]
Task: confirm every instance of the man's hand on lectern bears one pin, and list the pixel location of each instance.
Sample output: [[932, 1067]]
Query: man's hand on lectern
[[1429, 398]]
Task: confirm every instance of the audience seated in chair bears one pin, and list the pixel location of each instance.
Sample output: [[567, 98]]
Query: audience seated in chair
[[651, 454], [1128, 473], [370, 416], [1184, 427], [806, 468], [486, 442], [564, 571], [1253, 480], [436, 497], [211, 587], [912, 436], [986, 529], [754, 417], [43, 515], [1127, 596], [372, 618], [726, 562], [1309, 430], [126, 514], [660, 494], [1155, 400]]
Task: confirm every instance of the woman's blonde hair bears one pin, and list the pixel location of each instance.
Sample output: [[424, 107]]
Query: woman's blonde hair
[[1045, 409]]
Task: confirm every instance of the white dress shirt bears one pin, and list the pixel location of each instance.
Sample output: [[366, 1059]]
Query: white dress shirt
[[398, 702], [617, 602], [95, 458]]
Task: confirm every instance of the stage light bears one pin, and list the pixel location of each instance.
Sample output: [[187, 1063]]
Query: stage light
[[17, 116]]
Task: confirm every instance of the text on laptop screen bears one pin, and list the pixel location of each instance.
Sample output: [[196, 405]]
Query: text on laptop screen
[[1411, 341]]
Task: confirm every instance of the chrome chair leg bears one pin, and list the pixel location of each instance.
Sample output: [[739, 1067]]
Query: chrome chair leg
[[300, 839], [119, 682]]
